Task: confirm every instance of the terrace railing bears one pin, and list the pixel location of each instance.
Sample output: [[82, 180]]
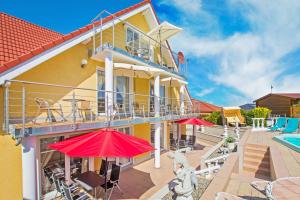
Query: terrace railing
[[31, 104], [130, 40]]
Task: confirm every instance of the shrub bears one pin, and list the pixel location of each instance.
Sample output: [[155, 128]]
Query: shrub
[[214, 117], [230, 140], [259, 112]]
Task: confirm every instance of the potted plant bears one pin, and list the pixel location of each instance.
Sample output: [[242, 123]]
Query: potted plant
[[230, 143]]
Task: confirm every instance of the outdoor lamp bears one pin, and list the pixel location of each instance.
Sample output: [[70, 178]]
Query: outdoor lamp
[[83, 63]]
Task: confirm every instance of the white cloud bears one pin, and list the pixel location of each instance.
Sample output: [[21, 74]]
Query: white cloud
[[205, 91], [250, 62], [186, 6]]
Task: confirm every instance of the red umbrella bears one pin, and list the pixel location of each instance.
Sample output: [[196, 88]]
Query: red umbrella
[[195, 121], [103, 143]]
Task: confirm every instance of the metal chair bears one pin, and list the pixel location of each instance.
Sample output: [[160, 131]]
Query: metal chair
[[103, 168], [69, 193], [85, 110], [114, 179], [47, 106]]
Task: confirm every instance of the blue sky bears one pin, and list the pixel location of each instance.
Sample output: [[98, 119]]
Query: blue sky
[[237, 49]]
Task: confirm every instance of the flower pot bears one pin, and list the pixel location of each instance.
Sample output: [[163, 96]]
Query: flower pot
[[230, 146]]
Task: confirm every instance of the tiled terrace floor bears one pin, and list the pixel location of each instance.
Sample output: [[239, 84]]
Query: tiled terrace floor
[[143, 181]]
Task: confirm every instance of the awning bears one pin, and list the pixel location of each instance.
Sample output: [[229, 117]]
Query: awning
[[135, 70], [171, 81], [163, 32]]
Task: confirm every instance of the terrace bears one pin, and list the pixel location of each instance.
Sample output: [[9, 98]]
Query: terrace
[[33, 108], [129, 44]]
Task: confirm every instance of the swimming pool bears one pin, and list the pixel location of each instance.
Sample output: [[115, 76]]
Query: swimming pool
[[290, 140]]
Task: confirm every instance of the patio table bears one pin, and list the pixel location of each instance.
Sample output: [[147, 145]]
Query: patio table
[[91, 179], [74, 103]]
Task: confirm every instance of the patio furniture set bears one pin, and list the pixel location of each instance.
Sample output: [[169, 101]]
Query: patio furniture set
[[83, 183]]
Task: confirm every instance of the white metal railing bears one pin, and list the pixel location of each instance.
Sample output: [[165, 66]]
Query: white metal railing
[[30, 104], [136, 43]]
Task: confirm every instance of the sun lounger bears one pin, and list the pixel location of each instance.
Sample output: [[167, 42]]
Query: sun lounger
[[282, 188], [292, 125], [280, 123], [208, 171], [227, 196]]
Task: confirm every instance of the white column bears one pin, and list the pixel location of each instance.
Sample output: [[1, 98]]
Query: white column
[[91, 164], [253, 123], [67, 167], [157, 125], [109, 86], [29, 168], [182, 99]]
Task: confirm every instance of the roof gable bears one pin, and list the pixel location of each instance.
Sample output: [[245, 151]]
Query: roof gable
[[205, 107], [287, 95]]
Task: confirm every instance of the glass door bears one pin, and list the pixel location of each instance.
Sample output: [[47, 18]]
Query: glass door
[[124, 161], [122, 94], [101, 92]]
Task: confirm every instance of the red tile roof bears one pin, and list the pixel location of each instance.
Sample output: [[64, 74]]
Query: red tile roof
[[205, 107], [21, 40], [288, 95]]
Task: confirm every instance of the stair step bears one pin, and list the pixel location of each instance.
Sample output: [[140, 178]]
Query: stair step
[[256, 168], [257, 172], [258, 151], [256, 162], [254, 155], [257, 146]]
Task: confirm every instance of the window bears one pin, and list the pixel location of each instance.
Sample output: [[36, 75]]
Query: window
[[162, 135], [132, 39]]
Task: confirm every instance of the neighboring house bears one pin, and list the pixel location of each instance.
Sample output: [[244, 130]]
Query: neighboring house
[[204, 107], [54, 86], [284, 104], [248, 106]]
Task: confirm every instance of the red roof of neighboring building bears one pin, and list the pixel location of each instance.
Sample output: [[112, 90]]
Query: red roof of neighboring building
[[21, 40], [288, 95], [205, 107]]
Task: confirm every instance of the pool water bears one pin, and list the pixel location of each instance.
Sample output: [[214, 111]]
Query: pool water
[[290, 140], [293, 140]]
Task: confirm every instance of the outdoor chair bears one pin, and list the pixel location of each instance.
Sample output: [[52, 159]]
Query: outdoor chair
[[114, 179], [227, 196], [48, 107], [173, 144], [291, 126], [58, 186], [182, 144], [280, 123], [85, 110], [138, 110], [287, 186], [70, 194], [103, 168]]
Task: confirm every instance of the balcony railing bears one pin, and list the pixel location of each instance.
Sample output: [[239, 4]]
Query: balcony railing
[[29, 105], [129, 40]]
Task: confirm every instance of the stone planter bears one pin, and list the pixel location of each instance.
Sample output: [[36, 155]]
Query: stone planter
[[230, 146]]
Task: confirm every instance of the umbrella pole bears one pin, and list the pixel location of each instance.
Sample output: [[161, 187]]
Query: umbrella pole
[[106, 168]]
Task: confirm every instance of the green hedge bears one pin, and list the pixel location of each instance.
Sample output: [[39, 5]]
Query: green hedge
[[214, 117], [259, 112]]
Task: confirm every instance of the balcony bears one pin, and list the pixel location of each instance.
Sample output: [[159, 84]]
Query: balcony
[[129, 44], [38, 108]]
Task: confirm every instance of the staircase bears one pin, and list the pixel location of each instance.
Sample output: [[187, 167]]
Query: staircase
[[256, 160]]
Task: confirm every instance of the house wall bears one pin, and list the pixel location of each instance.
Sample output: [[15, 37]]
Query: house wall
[[142, 131], [277, 104]]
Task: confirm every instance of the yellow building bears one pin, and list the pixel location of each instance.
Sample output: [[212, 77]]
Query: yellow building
[[113, 72]]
